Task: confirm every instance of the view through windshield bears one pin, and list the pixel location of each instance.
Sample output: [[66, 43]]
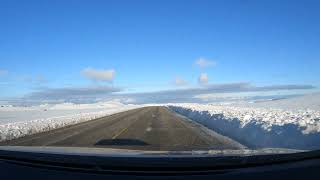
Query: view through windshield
[[160, 75]]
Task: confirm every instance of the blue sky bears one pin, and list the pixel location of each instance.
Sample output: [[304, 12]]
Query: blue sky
[[49, 45]]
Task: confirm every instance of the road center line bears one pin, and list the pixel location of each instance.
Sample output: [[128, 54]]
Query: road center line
[[123, 130], [120, 132]]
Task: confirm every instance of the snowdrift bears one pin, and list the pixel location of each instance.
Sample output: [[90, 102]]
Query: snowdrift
[[258, 127], [16, 122]]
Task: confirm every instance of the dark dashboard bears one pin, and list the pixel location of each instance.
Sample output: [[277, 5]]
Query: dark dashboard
[[52, 163]]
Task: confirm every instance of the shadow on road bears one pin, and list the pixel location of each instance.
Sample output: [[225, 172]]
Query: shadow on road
[[121, 142]]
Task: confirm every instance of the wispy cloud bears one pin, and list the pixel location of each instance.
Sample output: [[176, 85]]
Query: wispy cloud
[[203, 79], [72, 94], [38, 79], [192, 94], [99, 75], [180, 82], [203, 62], [3, 72], [102, 93]]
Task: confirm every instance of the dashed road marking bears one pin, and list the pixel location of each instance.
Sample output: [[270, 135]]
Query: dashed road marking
[[149, 129]]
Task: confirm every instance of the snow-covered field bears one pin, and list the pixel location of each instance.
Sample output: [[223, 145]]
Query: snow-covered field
[[286, 123], [20, 121]]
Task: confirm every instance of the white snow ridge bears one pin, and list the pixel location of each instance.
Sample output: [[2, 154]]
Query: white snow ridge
[[256, 125], [20, 121]]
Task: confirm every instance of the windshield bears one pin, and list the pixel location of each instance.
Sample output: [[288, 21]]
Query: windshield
[[161, 76]]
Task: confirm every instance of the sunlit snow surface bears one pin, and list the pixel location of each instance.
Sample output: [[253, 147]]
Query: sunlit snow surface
[[20, 121], [286, 123]]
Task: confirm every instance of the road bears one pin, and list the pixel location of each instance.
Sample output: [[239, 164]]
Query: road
[[148, 128]]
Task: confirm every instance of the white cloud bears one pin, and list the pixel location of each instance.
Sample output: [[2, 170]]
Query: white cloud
[[202, 62], [203, 78], [179, 81], [3, 72], [99, 75]]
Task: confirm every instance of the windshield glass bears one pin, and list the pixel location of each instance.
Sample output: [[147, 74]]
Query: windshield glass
[[177, 75]]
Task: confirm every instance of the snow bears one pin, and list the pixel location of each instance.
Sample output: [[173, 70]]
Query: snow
[[300, 103], [307, 121], [286, 123], [20, 121]]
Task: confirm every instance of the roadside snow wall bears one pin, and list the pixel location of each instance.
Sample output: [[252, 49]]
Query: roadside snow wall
[[17, 126], [257, 128]]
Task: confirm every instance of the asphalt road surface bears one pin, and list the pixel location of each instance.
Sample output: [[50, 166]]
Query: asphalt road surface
[[148, 128]]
